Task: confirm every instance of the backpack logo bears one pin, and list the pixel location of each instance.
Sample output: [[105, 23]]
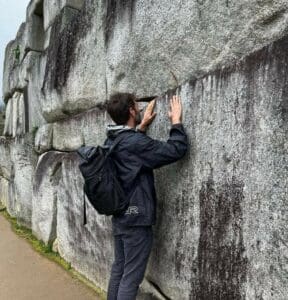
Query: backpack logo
[[132, 210]]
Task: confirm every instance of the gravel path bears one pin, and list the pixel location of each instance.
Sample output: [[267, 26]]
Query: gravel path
[[27, 275]]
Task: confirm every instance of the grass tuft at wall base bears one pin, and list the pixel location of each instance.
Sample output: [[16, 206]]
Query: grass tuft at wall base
[[46, 250]]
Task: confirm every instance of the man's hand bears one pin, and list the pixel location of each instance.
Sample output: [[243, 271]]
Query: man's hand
[[149, 116], [175, 114]]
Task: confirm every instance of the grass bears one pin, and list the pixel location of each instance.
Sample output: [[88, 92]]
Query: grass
[[46, 251], [34, 131]]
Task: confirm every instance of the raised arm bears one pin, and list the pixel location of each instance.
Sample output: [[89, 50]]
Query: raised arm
[[154, 153]]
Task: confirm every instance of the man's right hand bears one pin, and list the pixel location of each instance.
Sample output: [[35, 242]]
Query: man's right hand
[[149, 116], [175, 113]]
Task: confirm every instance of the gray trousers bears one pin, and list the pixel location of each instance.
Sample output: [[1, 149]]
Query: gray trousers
[[132, 247]]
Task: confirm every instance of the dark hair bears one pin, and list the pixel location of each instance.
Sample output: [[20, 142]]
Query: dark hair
[[118, 107]]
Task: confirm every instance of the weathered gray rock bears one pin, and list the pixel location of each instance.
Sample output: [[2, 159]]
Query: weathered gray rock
[[2, 119], [82, 94], [4, 188], [228, 198], [5, 170], [34, 96], [53, 8], [88, 248], [43, 138], [123, 54], [222, 225], [67, 136], [15, 116], [47, 176], [12, 63], [5, 161], [18, 162]]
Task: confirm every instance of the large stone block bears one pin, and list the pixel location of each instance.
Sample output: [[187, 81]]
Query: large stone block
[[43, 138], [17, 69], [5, 169], [34, 95], [4, 188], [228, 197], [53, 8], [44, 212], [18, 162], [131, 56], [15, 116], [67, 136], [5, 160], [226, 201], [89, 247], [12, 63], [82, 94]]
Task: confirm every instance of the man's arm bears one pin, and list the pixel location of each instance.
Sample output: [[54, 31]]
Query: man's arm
[[153, 153]]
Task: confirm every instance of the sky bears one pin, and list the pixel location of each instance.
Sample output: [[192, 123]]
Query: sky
[[12, 14]]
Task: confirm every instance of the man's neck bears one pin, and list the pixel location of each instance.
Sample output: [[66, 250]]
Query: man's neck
[[131, 123]]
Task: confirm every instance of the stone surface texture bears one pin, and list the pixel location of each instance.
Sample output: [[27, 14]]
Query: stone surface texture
[[222, 229]]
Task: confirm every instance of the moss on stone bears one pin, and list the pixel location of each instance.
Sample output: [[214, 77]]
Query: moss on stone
[[34, 131], [46, 250]]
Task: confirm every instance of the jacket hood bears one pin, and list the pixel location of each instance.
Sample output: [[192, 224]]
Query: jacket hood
[[113, 130]]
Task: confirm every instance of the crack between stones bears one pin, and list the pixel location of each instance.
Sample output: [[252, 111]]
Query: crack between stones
[[27, 50], [157, 288]]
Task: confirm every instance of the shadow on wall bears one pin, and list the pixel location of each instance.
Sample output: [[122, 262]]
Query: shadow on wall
[[2, 118]]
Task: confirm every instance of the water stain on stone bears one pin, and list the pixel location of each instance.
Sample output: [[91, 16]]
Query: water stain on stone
[[50, 159], [116, 9], [69, 27], [222, 265]]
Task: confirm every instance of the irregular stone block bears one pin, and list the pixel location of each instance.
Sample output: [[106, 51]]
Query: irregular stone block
[[4, 187], [43, 138], [228, 191], [77, 4], [2, 121], [67, 136], [14, 54], [22, 163], [34, 33], [53, 8], [5, 159], [89, 247], [226, 201], [47, 176], [17, 66], [81, 94], [15, 116], [34, 96], [8, 119]]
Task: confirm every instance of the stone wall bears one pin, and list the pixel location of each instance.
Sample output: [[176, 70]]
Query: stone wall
[[2, 119], [222, 210]]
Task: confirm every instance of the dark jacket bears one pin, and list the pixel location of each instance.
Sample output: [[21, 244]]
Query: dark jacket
[[135, 157]]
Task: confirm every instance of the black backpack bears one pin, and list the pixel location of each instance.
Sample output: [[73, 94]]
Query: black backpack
[[101, 185]]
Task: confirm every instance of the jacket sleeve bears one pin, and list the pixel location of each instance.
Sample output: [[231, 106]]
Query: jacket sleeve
[[154, 154]]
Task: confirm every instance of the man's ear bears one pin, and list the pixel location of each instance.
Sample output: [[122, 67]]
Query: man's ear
[[132, 111]]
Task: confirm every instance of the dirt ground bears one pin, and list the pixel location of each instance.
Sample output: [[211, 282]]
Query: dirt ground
[[27, 275]]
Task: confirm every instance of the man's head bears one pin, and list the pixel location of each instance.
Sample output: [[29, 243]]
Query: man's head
[[123, 109]]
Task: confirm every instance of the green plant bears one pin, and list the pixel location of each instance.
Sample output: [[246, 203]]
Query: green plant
[[34, 130], [17, 53]]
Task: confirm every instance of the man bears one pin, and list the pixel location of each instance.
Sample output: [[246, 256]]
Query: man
[[135, 157]]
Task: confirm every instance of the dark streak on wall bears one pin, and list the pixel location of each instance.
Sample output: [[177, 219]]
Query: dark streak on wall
[[61, 52], [221, 261], [41, 171], [114, 10]]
